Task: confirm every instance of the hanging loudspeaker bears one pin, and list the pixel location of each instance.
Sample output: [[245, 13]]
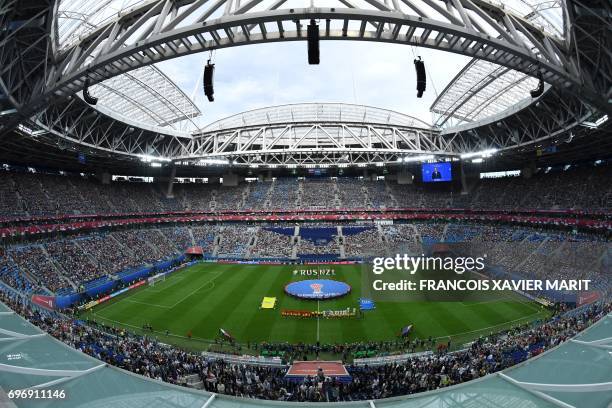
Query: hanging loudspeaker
[[92, 100], [421, 77], [312, 34], [535, 93], [209, 71]]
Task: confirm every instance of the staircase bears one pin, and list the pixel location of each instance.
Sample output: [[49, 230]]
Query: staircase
[[252, 244], [394, 202], [77, 192], [518, 266], [125, 249], [191, 237], [340, 241], [367, 202], [268, 197], [337, 200], [93, 260], [444, 232], [58, 270], [185, 202], [298, 199], [213, 201], [245, 195], [296, 245], [216, 242]]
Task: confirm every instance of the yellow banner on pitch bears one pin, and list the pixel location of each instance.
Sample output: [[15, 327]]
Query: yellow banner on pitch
[[268, 303]]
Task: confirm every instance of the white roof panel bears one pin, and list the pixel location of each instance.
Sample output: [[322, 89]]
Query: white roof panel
[[480, 90], [145, 95], [316, 112]]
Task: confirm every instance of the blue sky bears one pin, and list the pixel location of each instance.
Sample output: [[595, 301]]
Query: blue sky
[[255, 76]]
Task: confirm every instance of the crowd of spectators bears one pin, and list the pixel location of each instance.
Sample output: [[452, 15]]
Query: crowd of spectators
[[65, 263], [33, 260], [365, 243], [150, 358], [401, 238], [62, 262], [178, 236], [234, 240], [272, 245], [353, 193], [318, 193], [27, 193], [378, 195], [11, 275], [309, 247], [431, 232], [229, 198], [257, 196], [204, 237], [536, 253], [75, 264], [284, 195]]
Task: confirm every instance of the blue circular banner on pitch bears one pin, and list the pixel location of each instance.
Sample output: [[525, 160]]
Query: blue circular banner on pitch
[[317, 289]]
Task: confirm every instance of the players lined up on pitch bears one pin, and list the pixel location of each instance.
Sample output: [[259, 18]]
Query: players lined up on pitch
[[147, 357]]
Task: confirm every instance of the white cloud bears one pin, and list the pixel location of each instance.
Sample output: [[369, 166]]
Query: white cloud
[[376, 74]]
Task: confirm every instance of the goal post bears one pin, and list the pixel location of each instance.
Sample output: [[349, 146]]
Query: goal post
[[157, 278]]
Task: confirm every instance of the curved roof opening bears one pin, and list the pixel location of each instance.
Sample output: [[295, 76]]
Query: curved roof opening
[[252, 77]]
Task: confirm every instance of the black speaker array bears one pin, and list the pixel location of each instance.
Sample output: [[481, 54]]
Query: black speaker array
[[312, 34], [535, 93], [209, 71], [421, 77], [92, 100]]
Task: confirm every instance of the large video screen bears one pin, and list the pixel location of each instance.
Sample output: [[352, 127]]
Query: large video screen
[[435, 172]]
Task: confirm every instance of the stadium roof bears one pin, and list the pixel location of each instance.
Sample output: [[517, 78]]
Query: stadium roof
[[115, 45], [471, 96], [482, 89], [77, 18], [145, 95], [575, 374], [316, 113]]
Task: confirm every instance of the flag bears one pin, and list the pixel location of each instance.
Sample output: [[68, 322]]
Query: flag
[[366, 304], [226, 334], [406, 331], [268, 303]]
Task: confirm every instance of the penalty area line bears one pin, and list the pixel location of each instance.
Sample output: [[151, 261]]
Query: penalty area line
[[197, 289], [147, 304]]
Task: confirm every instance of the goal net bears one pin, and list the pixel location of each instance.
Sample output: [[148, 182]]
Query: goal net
[[156, 279]]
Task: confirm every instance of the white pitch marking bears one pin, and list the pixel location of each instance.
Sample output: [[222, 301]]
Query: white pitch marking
[[318, 301], [199, 287]]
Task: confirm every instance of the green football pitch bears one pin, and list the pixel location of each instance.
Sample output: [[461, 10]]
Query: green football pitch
[[205, 297]]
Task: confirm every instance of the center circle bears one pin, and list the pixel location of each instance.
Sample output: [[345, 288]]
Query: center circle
[[318, 289]]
